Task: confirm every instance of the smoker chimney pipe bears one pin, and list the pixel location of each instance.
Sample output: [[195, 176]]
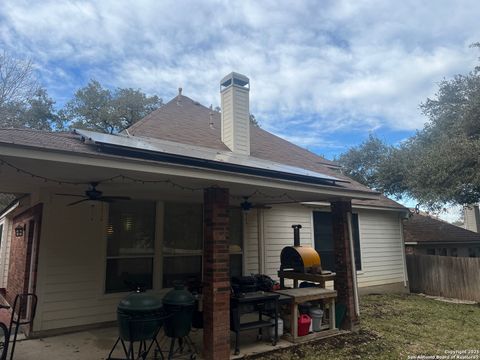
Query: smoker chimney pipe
[[296, 234]]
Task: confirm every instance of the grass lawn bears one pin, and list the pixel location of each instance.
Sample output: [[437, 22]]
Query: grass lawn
[[395, 326]]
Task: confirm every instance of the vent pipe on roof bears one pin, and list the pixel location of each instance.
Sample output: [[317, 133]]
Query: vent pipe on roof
[[235, 126]]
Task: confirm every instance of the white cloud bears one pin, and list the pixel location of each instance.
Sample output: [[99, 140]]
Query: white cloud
[[339, 65]]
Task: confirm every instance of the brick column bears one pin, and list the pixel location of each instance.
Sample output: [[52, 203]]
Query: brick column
[[343, 262], [216, 278]]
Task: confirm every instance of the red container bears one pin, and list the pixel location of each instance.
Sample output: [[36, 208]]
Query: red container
[[304, 322]]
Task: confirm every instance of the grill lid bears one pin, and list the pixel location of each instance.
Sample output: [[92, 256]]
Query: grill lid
[[139, 302], [178, 296]]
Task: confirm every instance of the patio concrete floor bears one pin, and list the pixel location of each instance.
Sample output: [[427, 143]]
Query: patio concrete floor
[[97, 343]]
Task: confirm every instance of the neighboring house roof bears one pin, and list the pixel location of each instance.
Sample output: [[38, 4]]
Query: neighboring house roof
[[424, 229], [183, 120]]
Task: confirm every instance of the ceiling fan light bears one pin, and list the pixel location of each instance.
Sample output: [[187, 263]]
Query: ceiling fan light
[[246, 205]]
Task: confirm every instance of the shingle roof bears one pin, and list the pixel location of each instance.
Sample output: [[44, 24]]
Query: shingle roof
[[425, 229], [62, 141], [185, 121]]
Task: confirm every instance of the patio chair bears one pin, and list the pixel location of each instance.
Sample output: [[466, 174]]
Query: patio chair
[[23, 313]]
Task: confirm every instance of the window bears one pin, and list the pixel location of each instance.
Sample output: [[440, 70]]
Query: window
[[236, 242], [431, 251], [471, 252], [443, 252], [323, 234], [182, 243], [453, 252], [130, 245]]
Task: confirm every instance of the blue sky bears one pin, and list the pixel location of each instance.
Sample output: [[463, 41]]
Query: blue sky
[[324, 74]]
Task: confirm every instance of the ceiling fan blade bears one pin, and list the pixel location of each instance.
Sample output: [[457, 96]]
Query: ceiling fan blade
[[71, 195], [78, 202]]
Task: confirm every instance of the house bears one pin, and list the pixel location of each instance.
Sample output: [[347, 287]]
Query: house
[[187, 180], [427, 235]]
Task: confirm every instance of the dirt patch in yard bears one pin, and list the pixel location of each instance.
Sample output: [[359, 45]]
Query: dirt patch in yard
[[395, 327]]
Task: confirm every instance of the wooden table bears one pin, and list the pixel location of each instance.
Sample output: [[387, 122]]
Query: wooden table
[[296, 276], [302, 295]]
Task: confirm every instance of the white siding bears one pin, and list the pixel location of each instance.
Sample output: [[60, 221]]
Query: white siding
[[72, 266], [278, 232], [380, 241], [251, 243], [381, 248], [5, 250]]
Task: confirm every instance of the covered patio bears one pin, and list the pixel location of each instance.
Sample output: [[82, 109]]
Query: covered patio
[[97, 343], [65, 257]]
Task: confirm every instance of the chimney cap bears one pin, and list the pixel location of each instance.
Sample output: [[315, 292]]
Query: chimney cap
[[235, 79]]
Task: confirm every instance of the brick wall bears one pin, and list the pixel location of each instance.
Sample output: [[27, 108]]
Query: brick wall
[[343, 261], [21, 252], [216, 289]]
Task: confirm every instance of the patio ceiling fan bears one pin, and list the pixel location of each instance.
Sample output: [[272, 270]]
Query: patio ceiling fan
[[246, 205], [92, 194]]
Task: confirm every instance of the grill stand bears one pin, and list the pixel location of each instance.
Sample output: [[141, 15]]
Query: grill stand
[[181, 345], [143, 350]]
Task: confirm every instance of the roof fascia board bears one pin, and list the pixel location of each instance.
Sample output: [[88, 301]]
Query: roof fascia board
[[354, 206], [449, 242], [122, 163]]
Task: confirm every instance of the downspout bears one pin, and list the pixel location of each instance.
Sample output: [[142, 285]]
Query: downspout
[[404, 258], [260, 240], [354, 267]]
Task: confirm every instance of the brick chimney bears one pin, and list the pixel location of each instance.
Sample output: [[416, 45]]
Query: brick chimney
[[234, 90]]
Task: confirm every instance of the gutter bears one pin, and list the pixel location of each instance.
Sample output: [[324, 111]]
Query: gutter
[[213, 165], [120, 163], [356, 207], [354, 267], [427, 243]]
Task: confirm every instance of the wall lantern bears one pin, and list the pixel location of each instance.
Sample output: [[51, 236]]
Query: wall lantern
[[20, 230]]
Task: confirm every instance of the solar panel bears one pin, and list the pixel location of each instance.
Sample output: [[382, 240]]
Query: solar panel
[[158, 146]]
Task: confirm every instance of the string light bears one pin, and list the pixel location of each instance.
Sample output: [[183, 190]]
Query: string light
[[255, 194]]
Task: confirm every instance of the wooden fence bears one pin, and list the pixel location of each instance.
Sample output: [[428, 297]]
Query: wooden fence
[[453, 277]]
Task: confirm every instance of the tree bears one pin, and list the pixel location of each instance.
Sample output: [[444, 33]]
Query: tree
[[17, 80], [254, 121], [23, 103], [97, 108], [441, 163], [36, 112], [362, 163]]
